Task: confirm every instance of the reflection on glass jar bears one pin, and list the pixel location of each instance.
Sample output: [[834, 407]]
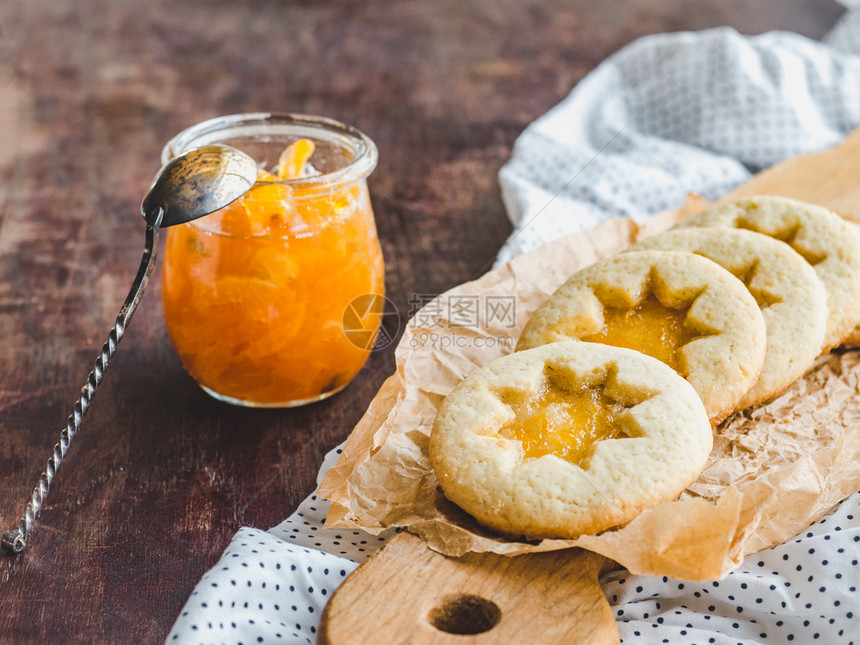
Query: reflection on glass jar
[[255, 294]]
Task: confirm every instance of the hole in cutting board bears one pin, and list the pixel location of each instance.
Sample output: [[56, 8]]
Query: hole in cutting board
[[465, 614]]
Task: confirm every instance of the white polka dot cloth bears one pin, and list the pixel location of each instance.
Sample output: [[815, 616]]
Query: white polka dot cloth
[[666, 115]]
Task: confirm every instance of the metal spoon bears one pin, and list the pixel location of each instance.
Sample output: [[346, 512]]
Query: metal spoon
[[191, 185]]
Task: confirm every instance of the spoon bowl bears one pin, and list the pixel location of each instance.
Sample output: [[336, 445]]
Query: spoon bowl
[[197, 183]]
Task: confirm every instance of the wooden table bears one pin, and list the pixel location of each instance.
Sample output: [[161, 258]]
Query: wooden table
[[161, 475]]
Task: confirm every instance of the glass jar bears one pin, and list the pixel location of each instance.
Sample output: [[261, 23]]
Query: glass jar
[[275, 300]]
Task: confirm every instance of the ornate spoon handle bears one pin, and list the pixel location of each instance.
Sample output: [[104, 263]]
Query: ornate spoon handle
[[14, 540]]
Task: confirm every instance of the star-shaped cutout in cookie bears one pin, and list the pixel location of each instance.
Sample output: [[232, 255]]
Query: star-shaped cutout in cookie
[[651, 327], [567, 417]]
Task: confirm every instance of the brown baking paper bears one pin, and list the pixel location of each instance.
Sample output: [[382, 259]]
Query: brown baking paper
[[774, 469]]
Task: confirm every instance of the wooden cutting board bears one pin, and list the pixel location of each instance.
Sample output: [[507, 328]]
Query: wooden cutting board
[[406, 593]]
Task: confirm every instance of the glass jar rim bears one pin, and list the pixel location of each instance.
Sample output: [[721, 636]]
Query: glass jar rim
[[363, 149]]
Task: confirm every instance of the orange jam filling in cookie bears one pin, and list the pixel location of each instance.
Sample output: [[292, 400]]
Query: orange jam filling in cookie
[[565, 424], [649, 327]]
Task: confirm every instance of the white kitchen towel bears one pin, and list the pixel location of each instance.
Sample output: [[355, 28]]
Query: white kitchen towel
[[667, 115], [678, 113]]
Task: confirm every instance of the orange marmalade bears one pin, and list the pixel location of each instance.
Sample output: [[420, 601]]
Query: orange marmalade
[[255, 294]]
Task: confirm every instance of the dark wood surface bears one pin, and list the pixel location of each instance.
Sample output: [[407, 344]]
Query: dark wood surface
[[161, 476]]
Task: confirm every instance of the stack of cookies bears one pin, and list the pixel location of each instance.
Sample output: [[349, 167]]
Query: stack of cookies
[[607, 407]]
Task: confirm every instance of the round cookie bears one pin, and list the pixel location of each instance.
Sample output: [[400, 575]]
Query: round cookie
[[658, 442], [824, 239], [853, 339], [679, 307], [791, 297]]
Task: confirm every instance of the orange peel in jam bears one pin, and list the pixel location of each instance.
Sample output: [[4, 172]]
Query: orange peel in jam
[[293, 161], [254, 294]]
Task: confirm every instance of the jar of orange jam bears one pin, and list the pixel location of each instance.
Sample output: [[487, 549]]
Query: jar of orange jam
[[257, 295]]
